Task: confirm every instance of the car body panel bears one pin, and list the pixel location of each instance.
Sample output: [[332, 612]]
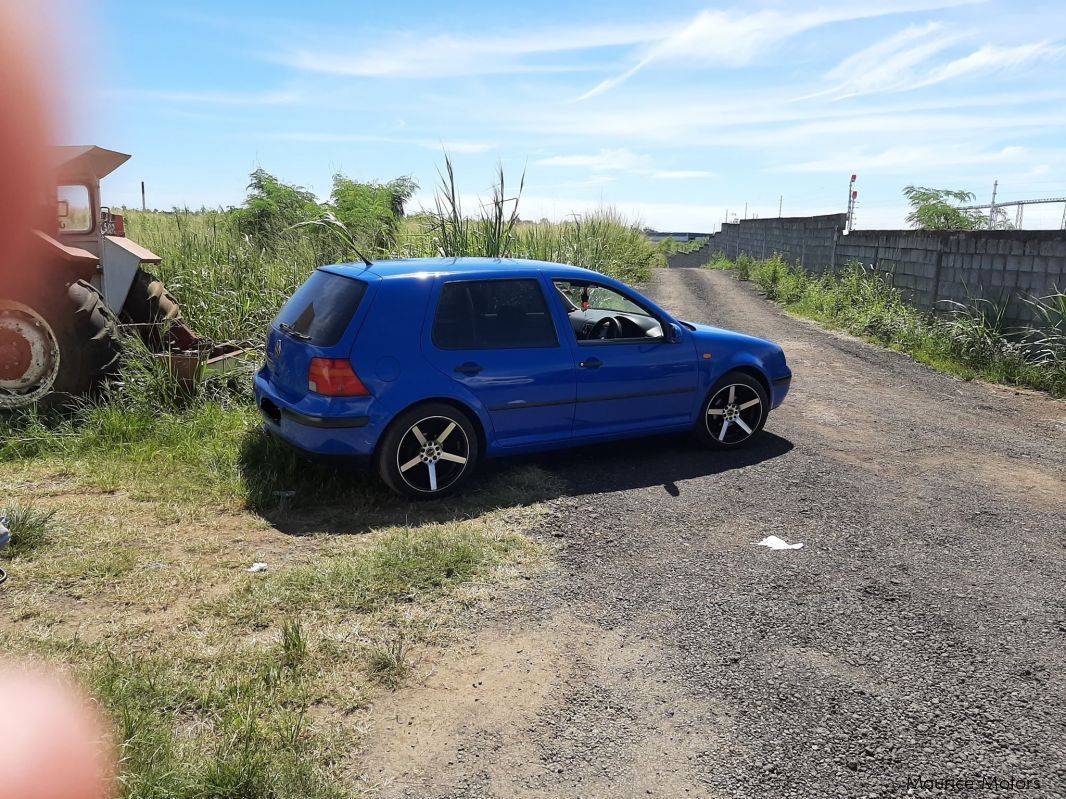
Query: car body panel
[[524, 399], [528, 392]]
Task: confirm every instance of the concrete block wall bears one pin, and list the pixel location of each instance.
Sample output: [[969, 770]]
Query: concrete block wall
[[929, 267]]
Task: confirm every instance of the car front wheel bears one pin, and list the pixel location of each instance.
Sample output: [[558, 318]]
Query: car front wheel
[[428, 452], [734, 412]]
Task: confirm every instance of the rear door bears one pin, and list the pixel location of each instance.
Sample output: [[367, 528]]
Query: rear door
[[497, 338]]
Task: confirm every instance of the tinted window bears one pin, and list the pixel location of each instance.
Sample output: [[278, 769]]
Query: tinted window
[[493, 314], [322, 308]]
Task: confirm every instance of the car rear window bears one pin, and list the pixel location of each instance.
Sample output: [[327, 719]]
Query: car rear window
[[493, 314], [319, 312]]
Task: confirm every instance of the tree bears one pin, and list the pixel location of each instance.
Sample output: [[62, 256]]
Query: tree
[[272, 206], [372, 211], [933, 209]]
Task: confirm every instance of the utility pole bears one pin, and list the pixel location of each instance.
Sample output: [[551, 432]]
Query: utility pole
[[780, 203], [144, 207], [745, 210], [1064, 217], [992, 207], [852, 194]]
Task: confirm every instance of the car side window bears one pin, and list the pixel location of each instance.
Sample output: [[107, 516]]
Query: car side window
[[598, 313], [493, 314]]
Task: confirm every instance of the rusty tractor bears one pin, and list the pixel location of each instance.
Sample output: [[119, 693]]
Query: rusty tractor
[[64, 313]]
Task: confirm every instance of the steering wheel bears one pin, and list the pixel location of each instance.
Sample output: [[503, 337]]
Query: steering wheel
[[607, 327]]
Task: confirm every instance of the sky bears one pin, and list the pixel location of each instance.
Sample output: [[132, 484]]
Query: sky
[[676, 114]]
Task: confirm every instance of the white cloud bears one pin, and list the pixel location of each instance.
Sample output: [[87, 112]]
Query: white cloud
[[734, 38], [457, 146], [680, 174], [898, 62], [888, 64], [991, 58], [448, 55], [206, 97], [914, 160], [603, 160], [620, 160]]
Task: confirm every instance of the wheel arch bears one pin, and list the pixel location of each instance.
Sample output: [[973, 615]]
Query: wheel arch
[[758, 374], [459, 405], [750, 368]]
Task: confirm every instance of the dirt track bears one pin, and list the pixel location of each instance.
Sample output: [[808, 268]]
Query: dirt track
[[921, 631]]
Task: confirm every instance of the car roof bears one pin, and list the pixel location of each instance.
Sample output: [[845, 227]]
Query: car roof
[[461, 267]]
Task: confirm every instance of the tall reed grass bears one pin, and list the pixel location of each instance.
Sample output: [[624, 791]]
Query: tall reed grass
[[231, 284]]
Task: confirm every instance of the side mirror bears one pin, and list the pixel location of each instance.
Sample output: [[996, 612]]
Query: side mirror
[[673, 332]]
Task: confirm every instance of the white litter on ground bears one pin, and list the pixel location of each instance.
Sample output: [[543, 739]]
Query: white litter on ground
[[774, 542], [5, 534], [257, 567]]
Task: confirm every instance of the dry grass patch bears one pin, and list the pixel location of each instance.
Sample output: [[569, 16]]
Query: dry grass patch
[[227, 683]]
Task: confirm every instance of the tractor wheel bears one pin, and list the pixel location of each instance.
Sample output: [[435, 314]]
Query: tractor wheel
[[151, 309], [56, 350]]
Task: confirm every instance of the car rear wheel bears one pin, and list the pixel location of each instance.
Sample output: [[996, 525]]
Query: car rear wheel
[[734, 413], [428, 452]]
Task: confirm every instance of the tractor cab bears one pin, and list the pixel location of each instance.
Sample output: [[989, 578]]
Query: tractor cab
[[82, 220], [84, 223]]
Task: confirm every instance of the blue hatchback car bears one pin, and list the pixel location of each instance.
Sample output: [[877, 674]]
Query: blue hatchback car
[[425, 367]]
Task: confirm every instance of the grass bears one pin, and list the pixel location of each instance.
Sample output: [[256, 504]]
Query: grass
[[30, 528], [969, 339], [225, 683], [388, 662]]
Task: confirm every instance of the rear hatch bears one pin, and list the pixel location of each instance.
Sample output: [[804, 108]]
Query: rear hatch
[[317, 322]]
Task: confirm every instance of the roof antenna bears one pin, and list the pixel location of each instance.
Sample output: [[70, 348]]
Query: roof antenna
[[363, 258]]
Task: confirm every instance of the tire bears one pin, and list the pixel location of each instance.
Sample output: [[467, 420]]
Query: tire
[[419, 455], [151, 309], [76, 335], [733, 413]]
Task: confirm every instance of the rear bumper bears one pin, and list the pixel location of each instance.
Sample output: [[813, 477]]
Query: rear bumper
[[344, 437], [322, 422]]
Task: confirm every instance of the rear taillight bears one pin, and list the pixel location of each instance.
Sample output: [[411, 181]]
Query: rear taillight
[[334, 377]]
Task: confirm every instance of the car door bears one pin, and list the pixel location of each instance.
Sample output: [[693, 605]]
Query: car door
[[498, 339], [639, 380]]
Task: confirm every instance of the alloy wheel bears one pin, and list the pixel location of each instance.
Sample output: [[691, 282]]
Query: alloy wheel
[[433, 454], [733, 413]]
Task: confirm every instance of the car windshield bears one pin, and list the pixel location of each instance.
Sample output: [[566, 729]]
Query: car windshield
[[599, 298]]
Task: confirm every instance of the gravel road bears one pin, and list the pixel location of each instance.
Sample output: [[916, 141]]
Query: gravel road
[[918, 636]]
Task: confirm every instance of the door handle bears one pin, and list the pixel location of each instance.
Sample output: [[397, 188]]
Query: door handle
[[469, 368], [591, 363]]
